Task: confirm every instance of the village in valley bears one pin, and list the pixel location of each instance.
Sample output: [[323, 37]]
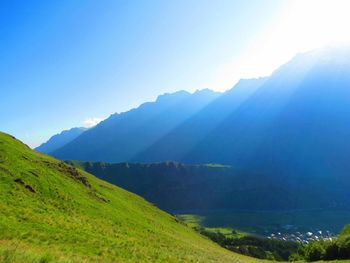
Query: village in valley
[[292, 233]]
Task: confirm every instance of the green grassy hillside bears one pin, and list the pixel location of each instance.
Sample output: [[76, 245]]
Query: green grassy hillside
[[52, 212]]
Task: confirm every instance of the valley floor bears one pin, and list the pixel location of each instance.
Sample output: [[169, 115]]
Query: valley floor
[[267, 222]]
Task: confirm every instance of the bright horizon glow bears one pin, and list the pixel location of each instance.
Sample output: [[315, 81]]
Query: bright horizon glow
[[301, 26]]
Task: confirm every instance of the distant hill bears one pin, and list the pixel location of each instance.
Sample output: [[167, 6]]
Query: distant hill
[[59, 140], [53, 212], [180, 188], [122, 136]]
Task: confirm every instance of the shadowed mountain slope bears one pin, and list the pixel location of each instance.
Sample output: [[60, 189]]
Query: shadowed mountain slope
[[176, 144], [295, 124], [178, 188], [122, 136]]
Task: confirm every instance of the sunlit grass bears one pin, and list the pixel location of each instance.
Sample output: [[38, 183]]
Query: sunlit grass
[[51, 212]]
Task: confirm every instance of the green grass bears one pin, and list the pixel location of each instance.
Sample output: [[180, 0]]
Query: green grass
[[217, 165], [196, 222], [52, 212]]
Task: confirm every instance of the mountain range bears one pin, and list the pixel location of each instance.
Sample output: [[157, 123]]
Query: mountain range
[[257, 121], [149, 123], [122, 136], [290, 128]]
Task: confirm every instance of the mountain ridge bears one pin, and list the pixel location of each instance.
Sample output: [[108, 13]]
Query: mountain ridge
[[144, 125]]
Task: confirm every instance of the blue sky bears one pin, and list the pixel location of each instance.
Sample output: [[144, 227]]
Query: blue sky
[[65, 62]]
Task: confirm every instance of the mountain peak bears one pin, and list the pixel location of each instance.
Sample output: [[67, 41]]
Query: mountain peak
[[173, 96]]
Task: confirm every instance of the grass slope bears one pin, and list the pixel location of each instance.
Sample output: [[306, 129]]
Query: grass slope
[[52, 212]]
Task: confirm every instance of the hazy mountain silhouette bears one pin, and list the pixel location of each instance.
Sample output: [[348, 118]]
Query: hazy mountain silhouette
[[296, 123], [291, 124], [59, 140], [178, 142], [123, 135]]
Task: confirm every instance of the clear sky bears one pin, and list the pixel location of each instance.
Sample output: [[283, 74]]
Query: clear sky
[[70, 63]]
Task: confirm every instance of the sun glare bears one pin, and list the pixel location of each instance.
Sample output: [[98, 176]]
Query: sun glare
[[302, 25], [319, 23]]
